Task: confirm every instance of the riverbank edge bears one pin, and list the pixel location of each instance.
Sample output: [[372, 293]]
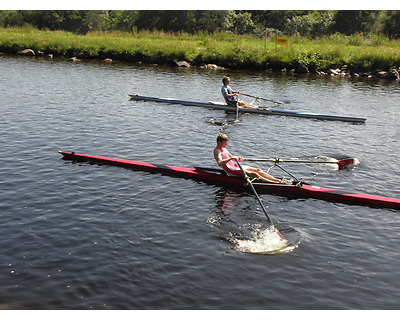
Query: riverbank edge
[[76, 55]]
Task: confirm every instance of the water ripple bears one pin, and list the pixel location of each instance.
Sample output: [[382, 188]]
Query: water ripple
[[102, 237]]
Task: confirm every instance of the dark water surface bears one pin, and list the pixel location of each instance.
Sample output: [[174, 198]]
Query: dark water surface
[[81, 236]]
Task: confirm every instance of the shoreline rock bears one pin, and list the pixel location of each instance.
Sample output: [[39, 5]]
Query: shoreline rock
[[182, 64], [211, 66], [26, 52]]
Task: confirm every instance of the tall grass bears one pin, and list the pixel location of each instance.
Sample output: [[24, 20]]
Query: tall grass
[[362, 53]]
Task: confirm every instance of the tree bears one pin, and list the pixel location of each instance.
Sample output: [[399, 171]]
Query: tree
[[391, 27], [46, 19], [124, 20], [314, 24], [11, 18], [98, 20], [349, 22], [303, 22], [242, 23], [275, 19], [214, 20], [167, 20]]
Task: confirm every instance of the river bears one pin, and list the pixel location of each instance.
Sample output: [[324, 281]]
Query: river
[[82, 236]]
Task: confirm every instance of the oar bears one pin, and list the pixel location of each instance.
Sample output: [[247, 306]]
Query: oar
[[237, 113], [248, 180], [341, 163], [259, 98]]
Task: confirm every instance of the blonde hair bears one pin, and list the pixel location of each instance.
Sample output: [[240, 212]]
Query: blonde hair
[[222, 137]]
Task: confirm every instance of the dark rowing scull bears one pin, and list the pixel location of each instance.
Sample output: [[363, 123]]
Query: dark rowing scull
[[256, 110]]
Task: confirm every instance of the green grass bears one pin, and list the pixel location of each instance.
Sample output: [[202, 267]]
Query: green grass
[[358, 52]]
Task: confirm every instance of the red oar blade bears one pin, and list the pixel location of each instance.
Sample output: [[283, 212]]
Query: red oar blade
[[279, 234], [344, 163]]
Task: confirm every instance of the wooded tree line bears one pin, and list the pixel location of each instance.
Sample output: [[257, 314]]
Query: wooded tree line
[[310, 23]]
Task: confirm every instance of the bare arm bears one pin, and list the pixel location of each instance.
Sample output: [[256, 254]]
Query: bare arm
[[221, 161]]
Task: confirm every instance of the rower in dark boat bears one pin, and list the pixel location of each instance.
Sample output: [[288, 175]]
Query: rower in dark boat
[[231, 97]]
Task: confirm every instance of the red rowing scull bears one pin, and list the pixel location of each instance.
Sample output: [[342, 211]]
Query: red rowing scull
[[217, 176]]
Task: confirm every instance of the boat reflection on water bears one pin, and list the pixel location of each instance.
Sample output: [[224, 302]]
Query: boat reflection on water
[[238, 221]]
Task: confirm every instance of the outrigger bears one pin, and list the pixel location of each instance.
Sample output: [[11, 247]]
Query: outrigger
[[219, 177], [256, 109]]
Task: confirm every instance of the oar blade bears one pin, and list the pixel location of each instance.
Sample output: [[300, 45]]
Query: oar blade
[[278, 233], [344, 163]]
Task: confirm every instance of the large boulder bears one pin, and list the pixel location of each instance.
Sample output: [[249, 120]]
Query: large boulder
[[334, 72], [182, 63], [212, 66], [27, 52]]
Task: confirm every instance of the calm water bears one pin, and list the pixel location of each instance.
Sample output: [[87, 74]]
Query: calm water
[[81, 236]]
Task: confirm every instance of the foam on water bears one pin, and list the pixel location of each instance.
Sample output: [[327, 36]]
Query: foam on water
[[267, 241]]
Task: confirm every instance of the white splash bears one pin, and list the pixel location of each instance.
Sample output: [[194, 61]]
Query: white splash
[[264, 242]]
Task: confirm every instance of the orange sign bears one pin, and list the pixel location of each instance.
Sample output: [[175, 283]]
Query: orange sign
[[282, 41]]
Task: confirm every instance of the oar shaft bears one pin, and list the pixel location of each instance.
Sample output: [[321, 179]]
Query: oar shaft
[[260, 201], [254, 192], [255, 97], [343, 163], [290, 160]]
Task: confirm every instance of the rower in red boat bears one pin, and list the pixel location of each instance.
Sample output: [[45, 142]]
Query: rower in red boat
[[226, 161]]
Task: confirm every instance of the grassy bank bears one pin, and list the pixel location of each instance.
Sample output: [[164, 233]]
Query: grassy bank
[[231, 51]]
